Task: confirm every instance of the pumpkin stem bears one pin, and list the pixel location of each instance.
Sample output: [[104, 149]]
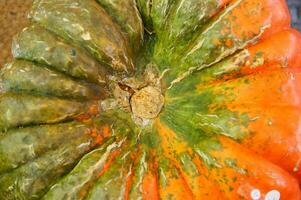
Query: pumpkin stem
[[147, 102]]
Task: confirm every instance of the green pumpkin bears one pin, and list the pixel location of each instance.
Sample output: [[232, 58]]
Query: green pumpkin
[[152, 99]]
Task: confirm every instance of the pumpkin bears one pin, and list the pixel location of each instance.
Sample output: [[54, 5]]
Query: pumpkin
[[152, 99]]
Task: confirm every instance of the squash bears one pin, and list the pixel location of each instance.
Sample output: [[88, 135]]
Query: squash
[[152, 99]]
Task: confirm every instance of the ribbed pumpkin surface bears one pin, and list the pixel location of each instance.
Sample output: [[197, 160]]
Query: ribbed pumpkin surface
[[152, 99]]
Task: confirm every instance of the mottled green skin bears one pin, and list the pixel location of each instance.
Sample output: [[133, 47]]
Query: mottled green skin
[[230, 66], [205, 51], [144, 7], [139, 171], [166, 166], [131, 24], [27, 77], [206, 109], [32, 142], [76, 184], [22, 109], [185, 19], [159, 13], [181, 24], [202, 149], [88, 25], [39, 45], [214, 42], [112, 184], [32, 180], [188, 166]]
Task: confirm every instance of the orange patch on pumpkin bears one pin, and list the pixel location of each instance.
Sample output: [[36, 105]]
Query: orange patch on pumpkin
[[150, 190], [281, 50], [250, 172], [273, 100], [251, 17], [109, 162], [169, 139]]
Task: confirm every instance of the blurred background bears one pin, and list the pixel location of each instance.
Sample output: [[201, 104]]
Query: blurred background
[[295, 8], [13, 19]]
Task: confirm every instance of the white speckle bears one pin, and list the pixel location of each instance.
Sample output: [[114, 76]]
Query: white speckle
[[297, 165], [17, 46], [145, 122], [8, 66], [83, 145], [272, 195], [255, 194], [74, 5], [78, 27], [24, 29], [65, 20], [293, 77], [31, 150], [86, 36], [255, 118]]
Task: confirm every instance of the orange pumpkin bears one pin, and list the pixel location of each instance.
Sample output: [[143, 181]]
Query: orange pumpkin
[[160, 99]]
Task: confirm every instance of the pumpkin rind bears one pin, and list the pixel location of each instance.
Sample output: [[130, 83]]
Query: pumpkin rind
[[228, 33], [25, 109], [84, 175], [204, 105], [28, 77], [39, 45], [106, 42], [32, 142], [131, 24], [34, 178]]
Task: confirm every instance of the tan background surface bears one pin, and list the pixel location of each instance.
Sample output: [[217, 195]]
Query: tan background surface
[[13, 18]]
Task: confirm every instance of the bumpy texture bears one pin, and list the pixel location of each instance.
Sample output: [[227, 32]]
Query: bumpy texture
[[152, 99]]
